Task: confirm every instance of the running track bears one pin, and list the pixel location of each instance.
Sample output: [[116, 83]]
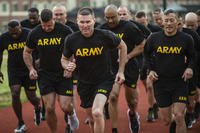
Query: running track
[[8, 120]]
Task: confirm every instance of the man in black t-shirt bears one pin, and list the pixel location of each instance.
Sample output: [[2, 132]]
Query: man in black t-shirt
[[165, 54], [33, 19], [193, 110], [31, 22], [14, 41], [48, 39], [60, 15], [134, 41], [91, 50]]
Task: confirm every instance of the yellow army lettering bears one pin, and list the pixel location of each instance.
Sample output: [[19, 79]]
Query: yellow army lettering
[[48, 41], [169, 50], [16, 46], [68, 92], [89, 51], [182, 98], [102, 91], [120, 35]]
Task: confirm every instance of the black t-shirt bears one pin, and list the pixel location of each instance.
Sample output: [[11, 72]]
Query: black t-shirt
[[198, 30], [72, 25], [27, 24], [153, 28], [166, 55], [91, 54], [15, 49], [196, 39], [50, 46], [128, 32], [146, 32]]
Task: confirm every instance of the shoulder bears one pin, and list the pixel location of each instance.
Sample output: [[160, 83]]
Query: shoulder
[[62, 27]]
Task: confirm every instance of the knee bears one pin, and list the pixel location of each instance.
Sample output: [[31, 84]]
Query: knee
[[133, 103], [113, 98], [97, 113], [166, 120], [50, 109], [179, 117], [15, 95], [67, 107]]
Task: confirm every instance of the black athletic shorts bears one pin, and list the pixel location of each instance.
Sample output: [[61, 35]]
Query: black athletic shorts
[[23, 80], [192, 86], [50, 82], [169, 92], [87, 92], [131, 73], [74, 79]]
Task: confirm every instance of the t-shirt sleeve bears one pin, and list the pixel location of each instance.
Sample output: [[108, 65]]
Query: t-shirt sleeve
[[30, 41], [112, 39], [148, 53], [67, 51], [137, 35], [190, 53]]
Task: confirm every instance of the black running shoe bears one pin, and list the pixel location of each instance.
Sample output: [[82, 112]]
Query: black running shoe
[[155, 111], [172, 128], [150, 116], [134, 123], [189, 120], [37, 116], [106, 111], [20, 128], [43, 114], [68, 129]]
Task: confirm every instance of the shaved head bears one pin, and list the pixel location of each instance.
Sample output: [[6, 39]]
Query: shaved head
[[191, 16], [110, 8], [191, 21], [124, 13], [111, 16]]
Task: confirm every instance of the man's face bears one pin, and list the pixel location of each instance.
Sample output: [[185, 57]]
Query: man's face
[[86, 24], [33, 17], [15, 32], [142, 20], [112, 18], [123, 14], [157, 17], [59, 15], [193, 25], [48, 26], [170, 23]]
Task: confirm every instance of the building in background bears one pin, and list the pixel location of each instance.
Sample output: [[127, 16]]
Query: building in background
[[10, 9]]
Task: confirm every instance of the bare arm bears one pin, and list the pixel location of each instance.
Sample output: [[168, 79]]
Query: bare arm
[[122, 62], [68, 65], [27, 56], [137, 50]]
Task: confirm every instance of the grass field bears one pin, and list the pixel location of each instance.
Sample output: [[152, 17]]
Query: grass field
[[5, 95]]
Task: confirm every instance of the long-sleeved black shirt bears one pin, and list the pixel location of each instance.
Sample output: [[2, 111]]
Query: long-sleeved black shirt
[[169, 56]]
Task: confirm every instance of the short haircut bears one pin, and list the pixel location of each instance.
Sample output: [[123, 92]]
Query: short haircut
[[157, 10], [140, 14], [168, 11], [33, 9], [13, 23], [86, 11], [59, 5], [46, 15]]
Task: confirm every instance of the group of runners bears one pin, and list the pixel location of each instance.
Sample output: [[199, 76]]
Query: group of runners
[[98, 60]]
